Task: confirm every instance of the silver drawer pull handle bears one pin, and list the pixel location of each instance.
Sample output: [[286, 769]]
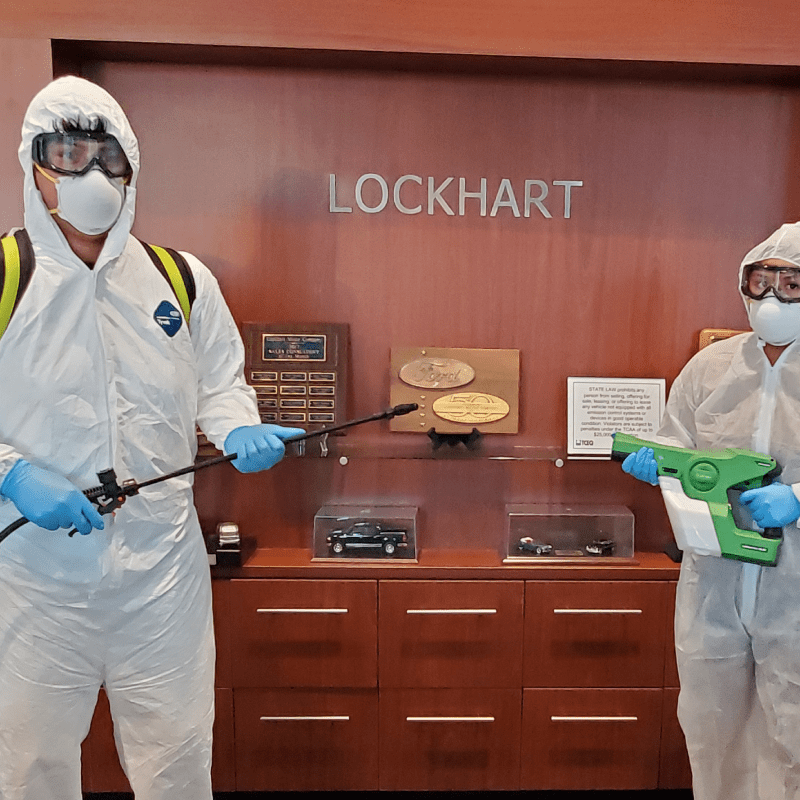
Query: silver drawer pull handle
[[301, 610], [449, 719], [597, 610], [306, 719], [473, 611], [594, 719]]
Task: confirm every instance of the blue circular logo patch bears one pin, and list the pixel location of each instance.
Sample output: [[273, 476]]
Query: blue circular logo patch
[[169, 318]]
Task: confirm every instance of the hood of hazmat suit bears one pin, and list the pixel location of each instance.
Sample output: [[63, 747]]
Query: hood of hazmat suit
[[92, 380], [83, 103], [735, 625], [774, 321]]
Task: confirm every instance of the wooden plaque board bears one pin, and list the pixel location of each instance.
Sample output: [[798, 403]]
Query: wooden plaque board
[[457, 389], [299, 372]]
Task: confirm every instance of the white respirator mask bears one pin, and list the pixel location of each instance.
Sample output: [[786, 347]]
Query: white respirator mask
[[91, 202], [775, 322]]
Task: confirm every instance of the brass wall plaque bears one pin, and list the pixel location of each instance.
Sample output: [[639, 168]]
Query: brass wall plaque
[[456, 389], [436, 373], [710, 335], [471, 407]]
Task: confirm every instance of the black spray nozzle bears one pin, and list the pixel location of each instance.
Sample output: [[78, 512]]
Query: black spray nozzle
[[401, 410]]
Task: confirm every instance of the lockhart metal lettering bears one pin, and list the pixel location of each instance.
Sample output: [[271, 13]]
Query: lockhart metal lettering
[[450, 196]]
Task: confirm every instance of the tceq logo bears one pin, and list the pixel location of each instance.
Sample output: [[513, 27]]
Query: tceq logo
[[413, 194]]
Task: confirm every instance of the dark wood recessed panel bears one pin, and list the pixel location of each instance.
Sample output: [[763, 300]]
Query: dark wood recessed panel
[[677, 181]]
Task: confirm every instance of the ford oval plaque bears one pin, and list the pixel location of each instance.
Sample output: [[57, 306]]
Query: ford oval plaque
[[436, 373]]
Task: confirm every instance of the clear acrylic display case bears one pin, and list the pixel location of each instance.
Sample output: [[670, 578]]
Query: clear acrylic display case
[[385, 533], [539, 531]]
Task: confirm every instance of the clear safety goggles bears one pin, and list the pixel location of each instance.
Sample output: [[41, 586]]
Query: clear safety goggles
[[758, 280], [76, 152]]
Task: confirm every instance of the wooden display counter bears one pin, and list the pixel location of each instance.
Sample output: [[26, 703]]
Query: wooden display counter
[[453, 673]]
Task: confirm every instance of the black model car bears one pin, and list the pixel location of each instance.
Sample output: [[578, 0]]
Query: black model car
[[601, 547], [366, 534], [529, 545]]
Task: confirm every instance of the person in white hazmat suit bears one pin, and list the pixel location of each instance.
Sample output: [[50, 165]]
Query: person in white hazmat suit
[[737, 629], [92, 380]]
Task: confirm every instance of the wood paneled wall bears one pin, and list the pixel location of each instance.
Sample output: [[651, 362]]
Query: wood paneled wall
[[734, 31], [682, 172], [25, 66], [680, 178]]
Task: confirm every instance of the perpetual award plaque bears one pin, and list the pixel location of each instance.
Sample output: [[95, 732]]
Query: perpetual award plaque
[[299, 372], [456, 389]]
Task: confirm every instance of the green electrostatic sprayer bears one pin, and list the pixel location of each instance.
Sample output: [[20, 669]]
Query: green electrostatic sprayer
[[701, 490]]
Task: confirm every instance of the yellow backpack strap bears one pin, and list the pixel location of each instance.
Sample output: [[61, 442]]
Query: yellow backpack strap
[[172, 265], [16, 268]]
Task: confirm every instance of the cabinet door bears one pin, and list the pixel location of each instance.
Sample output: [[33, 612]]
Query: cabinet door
[[450, 633], [590, 738], [304, 633], [671, 663], [222, 632], [100, 763], [450, 739], [594, 633], [306, 739], [675, 771]]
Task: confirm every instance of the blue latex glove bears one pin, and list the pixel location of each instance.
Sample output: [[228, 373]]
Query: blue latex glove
[[642, 465], [772, 506], [258, 447], [49, 500]]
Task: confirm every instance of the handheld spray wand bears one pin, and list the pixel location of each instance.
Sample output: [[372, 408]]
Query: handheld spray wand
[[110, 495]]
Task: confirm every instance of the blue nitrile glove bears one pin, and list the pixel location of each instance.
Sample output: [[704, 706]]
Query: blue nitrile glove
[[258, 447], [642, 465], [49, 500], [772, 506]]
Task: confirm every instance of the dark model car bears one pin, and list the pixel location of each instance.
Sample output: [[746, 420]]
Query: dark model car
[[528, 545], [601, 547], [367, 534]]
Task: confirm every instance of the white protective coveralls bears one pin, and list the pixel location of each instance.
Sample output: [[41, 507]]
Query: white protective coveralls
[[737, 625], [92, 381]]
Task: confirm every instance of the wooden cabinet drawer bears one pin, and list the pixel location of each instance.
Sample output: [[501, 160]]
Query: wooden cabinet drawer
[[450, 633], [594, 633], [450, 739], [306, 739], [590, 738], [304, 633]]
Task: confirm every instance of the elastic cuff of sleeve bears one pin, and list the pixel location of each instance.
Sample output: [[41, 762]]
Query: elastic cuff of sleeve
[[6, 466], [796, 492]]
